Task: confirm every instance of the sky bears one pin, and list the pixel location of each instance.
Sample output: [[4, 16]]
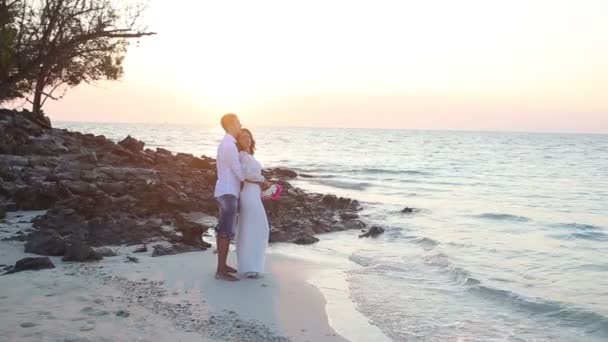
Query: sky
[[518, 65]]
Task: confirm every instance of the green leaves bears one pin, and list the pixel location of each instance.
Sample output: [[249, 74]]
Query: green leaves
[[49, 45]]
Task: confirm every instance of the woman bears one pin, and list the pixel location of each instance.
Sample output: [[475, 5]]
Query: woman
[[252, 228]]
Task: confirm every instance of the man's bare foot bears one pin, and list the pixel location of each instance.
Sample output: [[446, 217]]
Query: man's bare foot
[[230, 269], [226, 277]]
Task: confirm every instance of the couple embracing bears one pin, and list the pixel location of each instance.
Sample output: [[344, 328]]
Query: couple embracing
[[241, 212]]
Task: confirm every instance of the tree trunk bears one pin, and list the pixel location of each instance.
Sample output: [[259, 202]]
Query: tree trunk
[[37, 102]]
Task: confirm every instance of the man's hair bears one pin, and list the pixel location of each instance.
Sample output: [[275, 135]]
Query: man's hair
[[227, 120]]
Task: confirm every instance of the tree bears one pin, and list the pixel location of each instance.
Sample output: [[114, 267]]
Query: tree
[[53, 45]]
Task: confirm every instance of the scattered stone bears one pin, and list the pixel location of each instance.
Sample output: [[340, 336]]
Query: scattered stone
[[407, 210], [160, 250], [27, 325], [31, 264], [93, 312], [372, 232], [123, 313], [132, 259], [77, 250]]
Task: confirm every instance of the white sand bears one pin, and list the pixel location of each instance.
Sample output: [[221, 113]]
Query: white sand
[[171, 298]]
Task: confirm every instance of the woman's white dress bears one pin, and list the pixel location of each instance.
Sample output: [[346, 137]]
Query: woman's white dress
[[252, 228]]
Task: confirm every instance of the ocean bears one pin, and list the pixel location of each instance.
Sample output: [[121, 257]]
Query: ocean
[[508, 240]]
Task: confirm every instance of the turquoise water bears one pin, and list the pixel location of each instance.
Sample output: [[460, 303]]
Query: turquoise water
[[509, 241]]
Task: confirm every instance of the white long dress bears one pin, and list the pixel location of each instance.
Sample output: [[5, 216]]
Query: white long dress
[[252, 229]]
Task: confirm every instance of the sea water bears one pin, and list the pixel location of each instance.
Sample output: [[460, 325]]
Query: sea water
[[508, 240]]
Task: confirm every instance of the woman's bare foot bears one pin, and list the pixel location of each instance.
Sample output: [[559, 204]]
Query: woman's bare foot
[[226, 277]]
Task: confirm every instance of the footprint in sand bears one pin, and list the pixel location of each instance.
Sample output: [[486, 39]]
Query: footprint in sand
[[93, 312], [87, 328]]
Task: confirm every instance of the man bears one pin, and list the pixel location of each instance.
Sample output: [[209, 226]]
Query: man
[[227, 191]]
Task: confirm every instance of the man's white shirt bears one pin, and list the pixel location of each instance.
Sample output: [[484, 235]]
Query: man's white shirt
[[229, 172]]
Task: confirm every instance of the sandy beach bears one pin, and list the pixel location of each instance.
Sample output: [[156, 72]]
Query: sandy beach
[[156, 299]]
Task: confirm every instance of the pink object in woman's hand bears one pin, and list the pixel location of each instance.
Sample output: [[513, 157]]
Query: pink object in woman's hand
[[273, 192]]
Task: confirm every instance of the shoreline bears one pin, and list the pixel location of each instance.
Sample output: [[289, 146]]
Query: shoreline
[[174, 297]]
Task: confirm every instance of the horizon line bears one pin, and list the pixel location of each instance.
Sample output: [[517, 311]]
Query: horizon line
[[338, 127]]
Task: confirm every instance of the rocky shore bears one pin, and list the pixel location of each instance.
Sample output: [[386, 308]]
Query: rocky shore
[[100, 193]]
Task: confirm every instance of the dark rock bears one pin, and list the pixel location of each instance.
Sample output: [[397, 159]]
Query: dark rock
[[2, 212], [280, 172], [33, 264], [132, 144], [160, 150], [407, 210], [334, 202], [203, 164], [77, 250], [45, 242], [192, 232], [306, 240], [114, 188], [349, 216], [122, 313], [160, 250], [132, 259], [372, 232]]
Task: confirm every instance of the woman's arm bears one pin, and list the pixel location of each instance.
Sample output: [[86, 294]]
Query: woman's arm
[[250, 171]]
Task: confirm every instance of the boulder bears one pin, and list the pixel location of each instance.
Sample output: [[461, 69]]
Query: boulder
[[192, 232], [77, 250], [407, 210], [160, 150], [349, 216], [45, 242], [372, 232], [132, 144], [203, 164], [334, 202], [33, 264], [305, 240], [283, 173], [160, 250]]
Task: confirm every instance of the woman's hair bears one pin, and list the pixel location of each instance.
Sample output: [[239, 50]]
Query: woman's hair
[[245, 130]]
